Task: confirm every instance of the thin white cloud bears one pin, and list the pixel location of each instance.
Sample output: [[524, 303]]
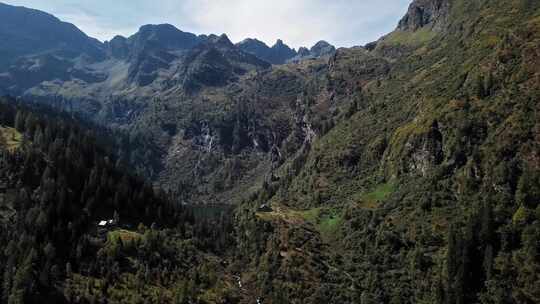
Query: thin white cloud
[[298, 22]]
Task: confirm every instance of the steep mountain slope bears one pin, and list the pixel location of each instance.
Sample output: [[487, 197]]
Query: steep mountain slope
[[37, 46], [26, 32], [427, 187]]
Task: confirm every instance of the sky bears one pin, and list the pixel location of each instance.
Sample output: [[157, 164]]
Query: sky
[[344, 23]]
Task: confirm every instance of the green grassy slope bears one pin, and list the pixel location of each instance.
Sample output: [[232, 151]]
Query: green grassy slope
[[10, 138]]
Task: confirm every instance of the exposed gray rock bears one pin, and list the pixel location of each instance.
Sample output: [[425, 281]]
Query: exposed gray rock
[[421, 13], [118, 47], [320, 49], [279, 53], [424, 152]]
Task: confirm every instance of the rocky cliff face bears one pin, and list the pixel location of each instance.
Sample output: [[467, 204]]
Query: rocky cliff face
[[118, 47], [322, 48], [422, 13], [215, 62], [153, 48], [255, 47]]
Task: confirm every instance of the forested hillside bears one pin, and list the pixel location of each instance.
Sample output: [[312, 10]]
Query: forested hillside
[[58, 186], [425, 186]]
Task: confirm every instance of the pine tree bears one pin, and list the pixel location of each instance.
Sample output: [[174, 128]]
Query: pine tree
[[20, 121], [452, 255], [528, 190], [23, 281]]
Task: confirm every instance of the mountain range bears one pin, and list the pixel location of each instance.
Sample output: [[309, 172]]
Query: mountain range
[[39, 48], [169, 167], [119, 83]]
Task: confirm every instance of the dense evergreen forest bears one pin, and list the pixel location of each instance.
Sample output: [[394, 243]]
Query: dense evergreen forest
[[57, 186]]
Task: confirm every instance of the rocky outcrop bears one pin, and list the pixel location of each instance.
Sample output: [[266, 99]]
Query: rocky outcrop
[[279, 53], [254, 46], [118, 47], [425, 151], [162, 37], [415, 150], [320, 49], [154, 48], [422, 13], [303, 52], [215, 62]]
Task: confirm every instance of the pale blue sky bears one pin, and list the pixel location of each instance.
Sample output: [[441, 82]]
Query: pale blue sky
[[297, 22]]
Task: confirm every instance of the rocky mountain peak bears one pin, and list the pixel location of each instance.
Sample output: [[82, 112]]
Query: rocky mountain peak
[[279, 53], [322, 48], [223, 40], [163, 36], [253, 46], [303, 51], [251, 41], [422, 13], [279, 43], [26, 32], [117, 47]]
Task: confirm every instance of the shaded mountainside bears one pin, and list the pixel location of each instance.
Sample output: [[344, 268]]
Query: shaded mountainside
[[30, 32], [406, 171], [279, 53]]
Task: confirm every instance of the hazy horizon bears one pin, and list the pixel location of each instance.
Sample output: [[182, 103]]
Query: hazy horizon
[[344, 23]]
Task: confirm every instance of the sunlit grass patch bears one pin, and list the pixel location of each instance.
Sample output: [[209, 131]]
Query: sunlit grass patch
[[407, 38], [372, 199], [326, 221], [124, 235], [11, 138]]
